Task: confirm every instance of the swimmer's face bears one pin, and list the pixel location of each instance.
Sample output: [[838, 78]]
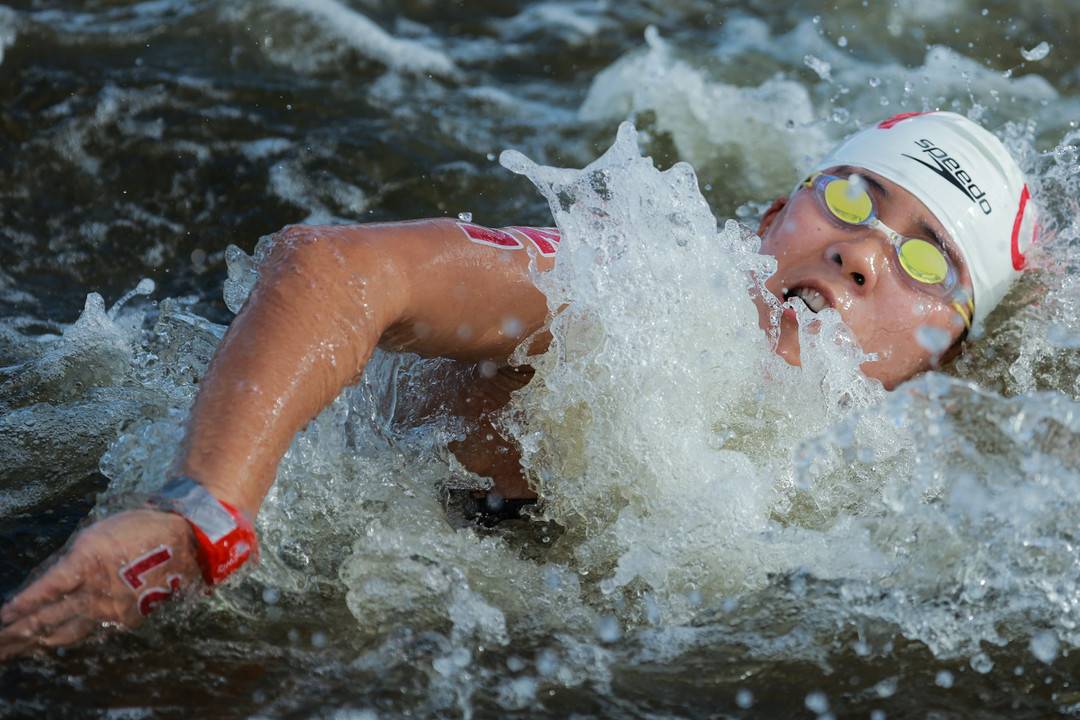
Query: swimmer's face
[[854, 270]]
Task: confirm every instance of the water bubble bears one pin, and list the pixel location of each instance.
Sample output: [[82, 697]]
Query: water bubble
[[744, 698], [515, 664], [841, 115], [491, 157], [877, 715], [873, 81], [944, 679], [1045, 646], [817, 702], [985, 12], [842, 41], [1036, 53], [981, 663], [319, 639], [512, 326], [464, 216], [271, 595]]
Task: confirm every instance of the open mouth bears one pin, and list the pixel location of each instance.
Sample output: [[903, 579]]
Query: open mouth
[[813, 299]]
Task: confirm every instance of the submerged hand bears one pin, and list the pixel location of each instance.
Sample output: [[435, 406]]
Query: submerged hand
[[115, 572]]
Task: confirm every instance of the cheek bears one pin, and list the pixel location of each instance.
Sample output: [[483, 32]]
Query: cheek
[[908, 333]]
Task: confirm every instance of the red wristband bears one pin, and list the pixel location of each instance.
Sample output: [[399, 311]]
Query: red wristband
[[225, 536], [222, 558]]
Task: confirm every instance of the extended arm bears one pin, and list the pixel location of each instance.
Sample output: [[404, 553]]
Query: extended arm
[[325, 298]]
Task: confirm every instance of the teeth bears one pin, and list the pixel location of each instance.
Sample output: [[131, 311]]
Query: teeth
[[813, 299]]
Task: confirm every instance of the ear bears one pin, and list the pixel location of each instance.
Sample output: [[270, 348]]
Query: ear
[[770, 215]]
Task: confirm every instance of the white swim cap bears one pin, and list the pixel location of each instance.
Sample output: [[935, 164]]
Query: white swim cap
[[967, 179]]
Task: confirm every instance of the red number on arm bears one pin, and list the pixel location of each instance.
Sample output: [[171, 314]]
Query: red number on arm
[[546, 240], [132, 573], [487, 236], [153, 598]]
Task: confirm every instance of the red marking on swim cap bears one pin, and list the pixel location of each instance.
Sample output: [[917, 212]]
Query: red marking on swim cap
[[1018, 260], [886, 124]]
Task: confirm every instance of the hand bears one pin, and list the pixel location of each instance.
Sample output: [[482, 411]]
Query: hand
[[115, 572]]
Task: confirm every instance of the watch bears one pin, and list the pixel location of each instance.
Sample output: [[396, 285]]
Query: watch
[[225, 536]]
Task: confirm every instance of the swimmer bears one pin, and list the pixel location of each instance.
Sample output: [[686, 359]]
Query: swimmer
[[920, 222]]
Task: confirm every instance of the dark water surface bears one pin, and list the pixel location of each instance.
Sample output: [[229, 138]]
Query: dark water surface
[[139, 139]]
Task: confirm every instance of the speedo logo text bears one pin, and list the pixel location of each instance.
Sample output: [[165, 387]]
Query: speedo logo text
[[947, 167]]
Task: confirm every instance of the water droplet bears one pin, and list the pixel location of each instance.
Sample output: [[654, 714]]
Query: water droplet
[[887, 687], [1044, 645], [464, 216], [944, 679], [607, 629], [934, 340], [873, 81], [822, 68], [842, 41], [271, 595], [1036, 53], [318, 639], [512, 327], [981, 663], [744, 698], [817, 702], [841, 115]]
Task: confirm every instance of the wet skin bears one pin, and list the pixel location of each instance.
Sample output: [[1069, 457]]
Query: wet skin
[[327, 296], [856, 270]]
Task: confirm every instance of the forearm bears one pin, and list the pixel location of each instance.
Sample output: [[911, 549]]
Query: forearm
[[317, 312]]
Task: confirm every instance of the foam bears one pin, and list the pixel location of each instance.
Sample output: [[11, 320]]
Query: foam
[[711, 122], [8, 29], [340, 23]]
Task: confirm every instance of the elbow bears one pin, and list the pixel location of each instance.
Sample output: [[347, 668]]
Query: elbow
[[339, 270]]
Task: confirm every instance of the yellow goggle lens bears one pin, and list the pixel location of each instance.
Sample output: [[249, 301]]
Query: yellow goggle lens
[[923, 261], [850, 204]]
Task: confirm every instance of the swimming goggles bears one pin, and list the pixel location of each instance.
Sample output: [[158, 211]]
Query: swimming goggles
[[926, 266]]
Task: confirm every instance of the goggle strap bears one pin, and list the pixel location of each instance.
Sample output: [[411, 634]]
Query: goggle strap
[[963, 313]]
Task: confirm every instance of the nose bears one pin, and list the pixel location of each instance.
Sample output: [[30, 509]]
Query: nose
[[861, 260]]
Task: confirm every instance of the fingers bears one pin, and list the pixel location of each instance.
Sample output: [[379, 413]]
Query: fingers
[[61, 579], [71, 631], [41, 624]]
